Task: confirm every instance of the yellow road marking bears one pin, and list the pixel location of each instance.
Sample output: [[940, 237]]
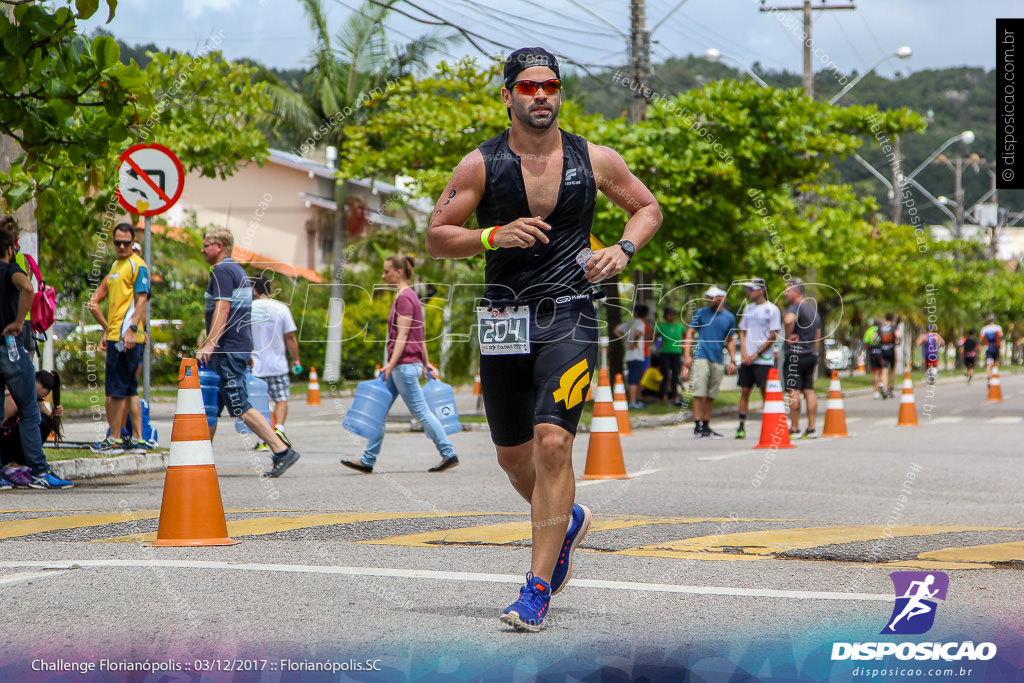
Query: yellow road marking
[[995, 552], [257, 526], [26, 527], [761, 544], [926, 565], [511, 532]]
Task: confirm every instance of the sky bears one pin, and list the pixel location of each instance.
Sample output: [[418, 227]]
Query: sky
[[941, 33]]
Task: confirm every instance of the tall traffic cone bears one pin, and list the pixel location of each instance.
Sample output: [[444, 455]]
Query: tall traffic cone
[[478, 391], [621, 406], [861, 370], [835, 412], [995, 389], [313, 393], [604, 453], [774, 425], [191, 512], [908, 409]]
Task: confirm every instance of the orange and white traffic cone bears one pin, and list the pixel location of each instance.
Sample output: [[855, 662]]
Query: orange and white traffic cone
[[861, 370], [478, 391], [835, 412], [621, 405], [774, 424], [191, 512], [995, 389], [604, 453], [908, 408], [313, 393]]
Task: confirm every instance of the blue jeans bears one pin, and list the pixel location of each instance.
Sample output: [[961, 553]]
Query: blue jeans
[[20, 378], [405, 382]]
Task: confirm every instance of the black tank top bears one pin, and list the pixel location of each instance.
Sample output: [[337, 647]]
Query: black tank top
[[543, 270]]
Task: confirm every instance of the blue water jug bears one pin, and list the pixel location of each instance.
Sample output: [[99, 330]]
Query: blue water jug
[[441, 401], [149, 435], [369, 408], [260, 400], [209, 382]]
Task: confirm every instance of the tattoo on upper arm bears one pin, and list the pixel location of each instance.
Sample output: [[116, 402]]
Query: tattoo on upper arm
[[451, 195]]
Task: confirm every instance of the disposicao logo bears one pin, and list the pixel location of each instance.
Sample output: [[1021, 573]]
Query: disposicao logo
[[914, 611], [914, 614]]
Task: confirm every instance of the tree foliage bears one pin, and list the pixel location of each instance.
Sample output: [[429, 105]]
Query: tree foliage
[[64, 98], [203, 110]]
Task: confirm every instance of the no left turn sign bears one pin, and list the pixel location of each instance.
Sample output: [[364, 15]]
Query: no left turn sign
[[150, 179]]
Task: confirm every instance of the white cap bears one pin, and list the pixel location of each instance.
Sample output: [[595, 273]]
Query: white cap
[[714, 291]]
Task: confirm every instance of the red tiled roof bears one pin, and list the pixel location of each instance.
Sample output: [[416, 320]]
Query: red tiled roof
[[246, 256]]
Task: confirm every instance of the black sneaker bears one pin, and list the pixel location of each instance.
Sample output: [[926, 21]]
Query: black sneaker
[[446, 464], [356, 465], [810, 434], [709, 433], [280, 435], [283, 462], [697, 433]]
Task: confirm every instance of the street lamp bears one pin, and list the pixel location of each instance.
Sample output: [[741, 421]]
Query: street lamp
[[714, 56], [966, 137], [902, 53]]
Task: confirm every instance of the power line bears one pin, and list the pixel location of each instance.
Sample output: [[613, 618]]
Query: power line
[[850, 43], [529, 31]]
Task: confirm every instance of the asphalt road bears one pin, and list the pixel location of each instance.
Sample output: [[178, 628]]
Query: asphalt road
[[694, 564]]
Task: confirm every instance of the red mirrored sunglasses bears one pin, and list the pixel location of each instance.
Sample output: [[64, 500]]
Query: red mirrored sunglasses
[[528, 88]]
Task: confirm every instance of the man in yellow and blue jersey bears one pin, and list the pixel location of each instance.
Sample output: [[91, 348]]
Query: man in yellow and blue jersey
[[127, 284]]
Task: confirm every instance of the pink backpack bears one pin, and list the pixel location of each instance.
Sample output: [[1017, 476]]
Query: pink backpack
[[44, 302]]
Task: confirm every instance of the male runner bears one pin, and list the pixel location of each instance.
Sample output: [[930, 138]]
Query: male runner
[[533, 189], [991, 336]]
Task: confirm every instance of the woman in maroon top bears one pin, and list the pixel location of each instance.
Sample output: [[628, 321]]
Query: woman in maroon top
[[406, 360]]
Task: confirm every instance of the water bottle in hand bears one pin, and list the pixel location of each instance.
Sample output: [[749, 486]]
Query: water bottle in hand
[[12, 348], [296, 369]]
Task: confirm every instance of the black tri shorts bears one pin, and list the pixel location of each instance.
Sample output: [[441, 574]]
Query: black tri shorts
[[549, 385]]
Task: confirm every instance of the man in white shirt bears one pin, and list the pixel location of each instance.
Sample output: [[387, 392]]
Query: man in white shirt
[[273, 330], [634, 335], [759, 328]]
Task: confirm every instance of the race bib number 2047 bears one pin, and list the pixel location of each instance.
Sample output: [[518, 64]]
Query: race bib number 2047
[[503, 331]]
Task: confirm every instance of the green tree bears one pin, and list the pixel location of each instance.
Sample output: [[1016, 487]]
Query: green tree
[[348, 71], [204, 111], [65, 100]]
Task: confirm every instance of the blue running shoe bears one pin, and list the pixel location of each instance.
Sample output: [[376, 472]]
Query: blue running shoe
[[527, 613], [578, 528], [50, 481]]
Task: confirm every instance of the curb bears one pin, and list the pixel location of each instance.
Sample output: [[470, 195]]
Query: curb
[[94, 468]]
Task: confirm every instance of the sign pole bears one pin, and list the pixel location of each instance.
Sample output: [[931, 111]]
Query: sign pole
[[147, 352]]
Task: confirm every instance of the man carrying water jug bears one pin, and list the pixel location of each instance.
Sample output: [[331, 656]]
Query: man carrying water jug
[[228, 344], [533, 190], [406, 361]]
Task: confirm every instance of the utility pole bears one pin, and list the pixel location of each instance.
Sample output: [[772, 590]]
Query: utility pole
[[897, 182], [808, 43], [640, 59]]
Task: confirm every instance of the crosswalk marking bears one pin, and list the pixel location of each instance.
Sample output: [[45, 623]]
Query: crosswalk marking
[[1006, 420], [949, 420], [995, 552], [753, 545], [512, 532], [740, 546], [885, 422], [268, 525], [27, 527]]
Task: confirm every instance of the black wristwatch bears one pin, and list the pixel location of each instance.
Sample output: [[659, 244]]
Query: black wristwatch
[[133, 328], [628, 248]]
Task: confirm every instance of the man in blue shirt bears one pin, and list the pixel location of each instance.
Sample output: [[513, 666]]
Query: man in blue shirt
[[228, 344], [713, 326]]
